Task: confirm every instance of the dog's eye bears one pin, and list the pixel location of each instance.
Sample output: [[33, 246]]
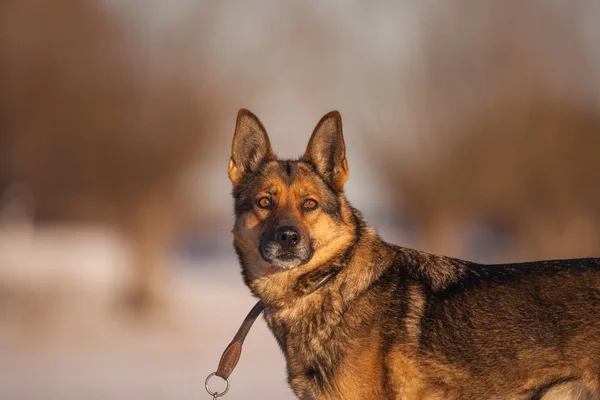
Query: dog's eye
[[265, 202], [310, 204]]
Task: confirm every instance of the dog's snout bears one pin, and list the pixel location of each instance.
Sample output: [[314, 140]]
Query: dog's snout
[[286, 246], [287, 236]]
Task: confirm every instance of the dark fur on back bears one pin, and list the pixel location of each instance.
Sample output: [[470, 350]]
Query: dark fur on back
[[396, 323]]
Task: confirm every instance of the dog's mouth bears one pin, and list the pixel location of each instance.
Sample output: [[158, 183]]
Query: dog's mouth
[[284, 258]]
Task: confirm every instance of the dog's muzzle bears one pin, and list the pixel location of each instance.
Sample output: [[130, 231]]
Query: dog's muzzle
[[285, 247]]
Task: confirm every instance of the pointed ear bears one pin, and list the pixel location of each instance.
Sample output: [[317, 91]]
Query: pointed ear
[[250, 147], [326, 150]]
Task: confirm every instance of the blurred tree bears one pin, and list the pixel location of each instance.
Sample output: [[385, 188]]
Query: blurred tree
[[506, 110], [96, 132]]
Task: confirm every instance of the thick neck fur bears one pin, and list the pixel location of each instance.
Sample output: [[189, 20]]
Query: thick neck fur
[[287, 289]]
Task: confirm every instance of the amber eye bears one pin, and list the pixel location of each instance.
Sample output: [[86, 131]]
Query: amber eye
[[265, 202], [310, 204]]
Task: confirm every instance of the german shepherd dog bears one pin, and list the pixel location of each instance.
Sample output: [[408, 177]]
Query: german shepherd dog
[[358, 318]]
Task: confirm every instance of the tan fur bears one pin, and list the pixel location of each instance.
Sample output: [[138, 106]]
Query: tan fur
[[359, 376]]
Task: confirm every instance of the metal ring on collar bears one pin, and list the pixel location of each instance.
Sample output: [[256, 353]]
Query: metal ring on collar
[[215, 394]]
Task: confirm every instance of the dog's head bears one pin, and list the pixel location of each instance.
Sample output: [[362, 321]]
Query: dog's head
[[289, 213]]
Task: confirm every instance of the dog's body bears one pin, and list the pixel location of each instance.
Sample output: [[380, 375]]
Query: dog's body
[[387, 322]]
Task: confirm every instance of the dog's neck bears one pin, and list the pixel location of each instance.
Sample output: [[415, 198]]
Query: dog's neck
[[287, 288]]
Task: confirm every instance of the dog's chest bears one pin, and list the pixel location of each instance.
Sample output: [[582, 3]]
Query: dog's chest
[[321, 343], [311, 338]]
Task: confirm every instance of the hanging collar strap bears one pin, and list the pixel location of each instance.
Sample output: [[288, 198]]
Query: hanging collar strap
[[232, 353]]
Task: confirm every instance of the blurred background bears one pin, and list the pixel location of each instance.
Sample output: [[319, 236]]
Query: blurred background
[[472, 129]]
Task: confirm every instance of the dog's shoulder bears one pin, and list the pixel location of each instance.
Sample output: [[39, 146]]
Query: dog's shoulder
[[441, 273], [434, 271]]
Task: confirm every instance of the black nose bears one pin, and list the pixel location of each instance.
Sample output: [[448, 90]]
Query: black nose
[[287, 236]]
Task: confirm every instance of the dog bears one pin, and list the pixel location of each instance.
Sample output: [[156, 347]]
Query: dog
[[359, 318]]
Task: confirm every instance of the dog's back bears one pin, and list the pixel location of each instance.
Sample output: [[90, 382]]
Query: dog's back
[[523, 330]]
